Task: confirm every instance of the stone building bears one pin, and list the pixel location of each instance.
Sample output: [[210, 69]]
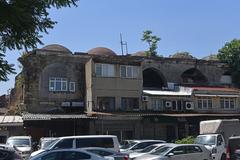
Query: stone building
[[132, 96]]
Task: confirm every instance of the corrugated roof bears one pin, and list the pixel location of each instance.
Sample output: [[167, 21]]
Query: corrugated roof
[[216, 89], [31, 116], [11, 121]]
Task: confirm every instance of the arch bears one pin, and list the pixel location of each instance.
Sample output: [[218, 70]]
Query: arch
[[153, 78], [193, 75]]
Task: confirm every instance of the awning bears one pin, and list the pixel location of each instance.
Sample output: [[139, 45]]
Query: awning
[[217, 95], [46, 117], [11, 121], [166, 93]]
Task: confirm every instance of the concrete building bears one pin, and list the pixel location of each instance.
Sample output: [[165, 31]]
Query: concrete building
[[132, 96]]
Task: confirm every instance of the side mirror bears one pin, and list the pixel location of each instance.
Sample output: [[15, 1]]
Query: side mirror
[[219, 143], [170, 154]]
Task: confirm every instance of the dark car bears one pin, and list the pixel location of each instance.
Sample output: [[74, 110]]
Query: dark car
[[8, 153], [233, 148], [107, 153]]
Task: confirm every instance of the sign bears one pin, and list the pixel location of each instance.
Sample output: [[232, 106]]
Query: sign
[[65, 104]]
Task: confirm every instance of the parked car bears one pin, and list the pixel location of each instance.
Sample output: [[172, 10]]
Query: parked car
[[146, 150], [137, 145], [237, 155], [66, 154], [233, 148], [8, 153], [106, 141], [179, 152], [45, 141], [107, 153], [22, 143]]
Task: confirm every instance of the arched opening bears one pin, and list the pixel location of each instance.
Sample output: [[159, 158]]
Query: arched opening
[[152, 78], [193, 75]]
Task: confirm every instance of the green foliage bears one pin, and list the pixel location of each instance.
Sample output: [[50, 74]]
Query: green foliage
[[5, 68], [152, 42], [186, 140], [186, 55], [230, 54], [21, 25]]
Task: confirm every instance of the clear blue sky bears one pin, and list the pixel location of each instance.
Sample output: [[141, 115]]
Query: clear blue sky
[[200, 27]]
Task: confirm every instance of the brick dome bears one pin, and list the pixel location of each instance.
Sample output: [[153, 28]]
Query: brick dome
[[101, 51]]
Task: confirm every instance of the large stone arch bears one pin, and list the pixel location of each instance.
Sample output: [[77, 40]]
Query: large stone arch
[[153, 78], [193, 75]]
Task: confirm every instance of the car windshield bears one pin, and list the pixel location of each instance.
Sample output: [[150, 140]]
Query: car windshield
[[19, 142], [46, 143], [128, 145], [205, 140], [162, 150], [148, 149], [51, 144]]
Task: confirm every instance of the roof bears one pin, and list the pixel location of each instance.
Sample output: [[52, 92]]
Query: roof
[[11, 121], [183, 91], [216, 89], [31, 116]]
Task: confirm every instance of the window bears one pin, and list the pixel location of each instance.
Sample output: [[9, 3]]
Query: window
[[193, 149], [204, 103], [94, 142], [227, 103], [106, 103], [178, 150], [57, 84], [64, 143], [51, 156], [157, 104], [128, 71], [100, 152], [72, 86], [71, 155], [104, 70], [129, 104]]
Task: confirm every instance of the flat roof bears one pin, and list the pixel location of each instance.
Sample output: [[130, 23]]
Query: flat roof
[[11, 120]]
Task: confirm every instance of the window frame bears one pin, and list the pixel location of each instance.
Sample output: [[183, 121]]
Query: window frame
[[54, 80], [74, 87], [126, 67], [204, 100], [227, 101], [107, 72]]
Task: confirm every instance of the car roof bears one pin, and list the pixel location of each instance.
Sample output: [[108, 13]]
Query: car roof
[[234, 137], [20, 137], [145, 140], [90, 136]]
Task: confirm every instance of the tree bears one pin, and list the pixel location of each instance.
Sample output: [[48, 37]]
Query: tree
[[21, 24], [5, 68], [152, 42], [184, 55], [230, 54]]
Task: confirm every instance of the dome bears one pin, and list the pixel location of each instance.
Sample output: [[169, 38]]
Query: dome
[[211, 57], [56, 47], [183, 55], [101, 51], [140, 54]]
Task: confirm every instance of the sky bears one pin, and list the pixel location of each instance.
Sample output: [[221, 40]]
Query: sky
[[200, 27]]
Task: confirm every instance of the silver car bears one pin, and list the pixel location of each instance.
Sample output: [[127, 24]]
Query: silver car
[[179, 152], [138, 145], [66, 154], [146, 150], [108, 154]]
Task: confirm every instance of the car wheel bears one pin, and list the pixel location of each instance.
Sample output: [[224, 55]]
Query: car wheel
[[223, 157]]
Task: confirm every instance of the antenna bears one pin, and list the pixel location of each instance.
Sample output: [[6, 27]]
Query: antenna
[[123, 43]]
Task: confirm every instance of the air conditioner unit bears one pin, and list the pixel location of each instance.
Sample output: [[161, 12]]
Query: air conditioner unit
[[168, 104], [189, 106], [144, 98]]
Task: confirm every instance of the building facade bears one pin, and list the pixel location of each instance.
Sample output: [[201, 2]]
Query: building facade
[[100, 92]]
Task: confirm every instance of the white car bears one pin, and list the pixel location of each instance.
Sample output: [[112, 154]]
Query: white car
[[23, 145], [179, 152], [146, 150], [105, 141], [137, 145]]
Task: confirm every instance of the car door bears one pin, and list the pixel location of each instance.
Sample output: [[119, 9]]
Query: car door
[[178, 153], [73, 155], [194, 152]]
